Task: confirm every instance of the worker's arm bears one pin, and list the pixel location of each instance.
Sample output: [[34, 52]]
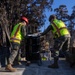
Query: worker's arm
[[23, 30], [47, 30]]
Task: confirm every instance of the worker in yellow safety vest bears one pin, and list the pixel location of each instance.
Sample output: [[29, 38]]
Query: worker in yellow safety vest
[[61, 38], [17, 35]]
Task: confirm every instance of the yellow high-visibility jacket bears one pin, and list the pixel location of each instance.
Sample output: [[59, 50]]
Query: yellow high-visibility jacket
[[59, 28], [16, 35]]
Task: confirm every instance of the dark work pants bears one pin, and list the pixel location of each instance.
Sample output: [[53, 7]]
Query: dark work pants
[[14, 52], [59, 44]]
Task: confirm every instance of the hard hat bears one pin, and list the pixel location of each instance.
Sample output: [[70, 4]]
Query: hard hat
[[25, 19], [52, 17]]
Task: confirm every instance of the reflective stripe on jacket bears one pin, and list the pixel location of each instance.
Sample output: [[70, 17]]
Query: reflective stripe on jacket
[[16, 35], [59, 28]]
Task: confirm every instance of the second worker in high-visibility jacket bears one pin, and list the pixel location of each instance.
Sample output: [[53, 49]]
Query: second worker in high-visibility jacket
[[61, 38], [17, 35]]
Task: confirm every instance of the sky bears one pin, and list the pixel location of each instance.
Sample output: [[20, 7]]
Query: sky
[[69, 4]]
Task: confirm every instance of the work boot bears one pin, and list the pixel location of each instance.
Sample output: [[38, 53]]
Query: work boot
[[10, 68], [55, 64]]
